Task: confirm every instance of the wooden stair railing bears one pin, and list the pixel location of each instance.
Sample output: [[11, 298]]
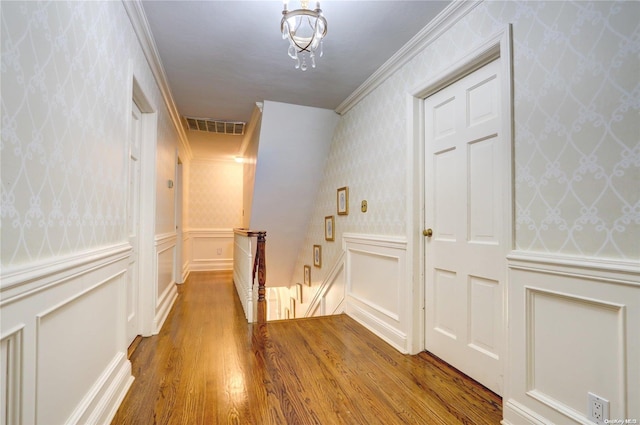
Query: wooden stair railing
[[260, 265]]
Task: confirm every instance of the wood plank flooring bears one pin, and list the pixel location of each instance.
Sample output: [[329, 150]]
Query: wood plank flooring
[[208, 366]]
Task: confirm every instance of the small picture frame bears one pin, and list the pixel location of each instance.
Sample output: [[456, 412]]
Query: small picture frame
[[299, 292], [307, 275], [292, 307], [329, 225], [343, 201], [317, 256], [286, 314]]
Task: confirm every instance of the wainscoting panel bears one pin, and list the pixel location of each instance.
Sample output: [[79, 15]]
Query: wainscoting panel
[[63, 339], [377, 288], [186, 256], [210, 249], [574, 328], [166, 291], [11, 358]]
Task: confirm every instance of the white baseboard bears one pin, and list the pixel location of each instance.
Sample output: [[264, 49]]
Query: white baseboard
[[210, 265], [101, 403], [164, 307], [515, 413], [388, 333]]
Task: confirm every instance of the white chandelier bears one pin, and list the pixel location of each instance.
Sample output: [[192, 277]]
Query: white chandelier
[[305, 29]]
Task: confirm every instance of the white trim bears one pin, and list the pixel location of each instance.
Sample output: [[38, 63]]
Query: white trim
[[142, 29], [214, 264], [165, 238], [164, 304], [434, 29], [101, 402], [147, 260], [622, 272], [26, 281], [77, 295], [519, 414], [209, 233], [490, 49], [114, 395], [373, 306], [326, 284], [396, 242], [393, 336], [12, 388]]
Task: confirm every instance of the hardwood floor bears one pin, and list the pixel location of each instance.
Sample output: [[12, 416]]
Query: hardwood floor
[[208, 366]]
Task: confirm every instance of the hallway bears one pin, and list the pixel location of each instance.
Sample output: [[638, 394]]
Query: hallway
[[207, 366]]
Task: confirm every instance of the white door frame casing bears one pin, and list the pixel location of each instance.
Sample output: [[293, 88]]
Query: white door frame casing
[[146, 259], [178, 272], [496, 46]]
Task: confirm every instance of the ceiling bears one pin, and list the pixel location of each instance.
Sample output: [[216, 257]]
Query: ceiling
[[221, 57]]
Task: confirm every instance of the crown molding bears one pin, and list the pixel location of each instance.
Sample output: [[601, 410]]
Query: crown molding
[[145, 37], [431, 32]]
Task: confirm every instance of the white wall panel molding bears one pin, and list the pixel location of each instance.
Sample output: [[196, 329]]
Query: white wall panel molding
[[377, 287], [521, 415], [329, 296], [81, 329], [11, 359], [101, 403], [73, 319], [165, 291], [391, 334], [394, 242], [210, 233], [163, 307], [26, 280], [166, 238], [205, 265], [210, 249], [577, 318], [615, 271], [186, 256], [602, 314]]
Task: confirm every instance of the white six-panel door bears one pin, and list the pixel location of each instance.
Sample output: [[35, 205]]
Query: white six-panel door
[[464, 258]]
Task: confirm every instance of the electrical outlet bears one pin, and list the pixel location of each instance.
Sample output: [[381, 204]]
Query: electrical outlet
[[598, 409], [219, 251]]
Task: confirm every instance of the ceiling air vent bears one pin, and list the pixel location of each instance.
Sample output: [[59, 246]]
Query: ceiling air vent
[[213, 126]]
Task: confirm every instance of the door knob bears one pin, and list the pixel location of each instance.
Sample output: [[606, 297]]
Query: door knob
[[427, 232]]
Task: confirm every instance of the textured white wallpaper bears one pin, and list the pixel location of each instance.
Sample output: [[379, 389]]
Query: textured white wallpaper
[[215, 195], [65, 81], [577, 149]]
